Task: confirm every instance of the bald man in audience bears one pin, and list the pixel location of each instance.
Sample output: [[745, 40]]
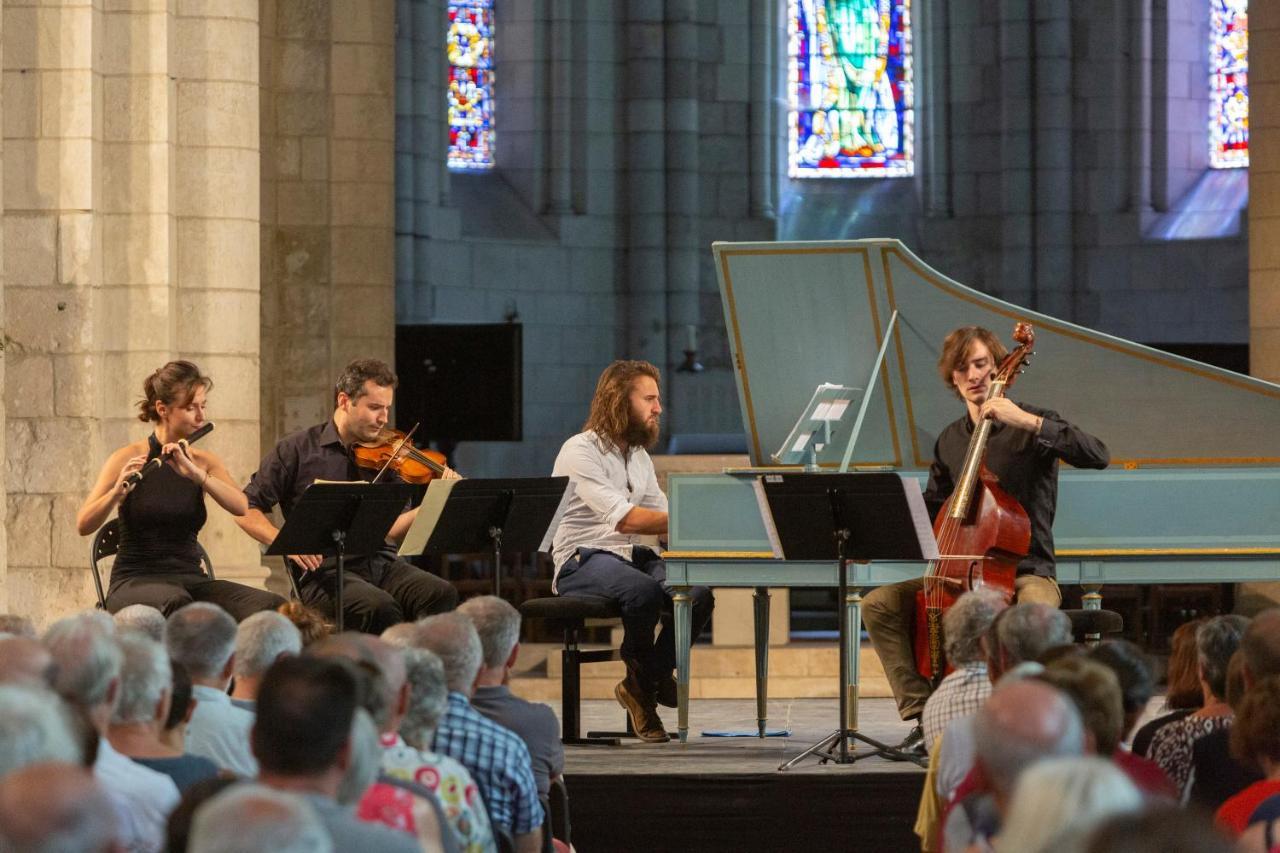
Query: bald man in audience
[[1020, 724], [56, 806], [25, 661]]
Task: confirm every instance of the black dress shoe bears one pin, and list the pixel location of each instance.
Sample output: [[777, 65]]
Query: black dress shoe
[[912, 747]]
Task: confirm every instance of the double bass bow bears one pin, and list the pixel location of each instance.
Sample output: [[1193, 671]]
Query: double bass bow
[[982, 531]]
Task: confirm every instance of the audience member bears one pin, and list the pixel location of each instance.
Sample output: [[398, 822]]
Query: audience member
[[498, 624], [260, 640], [309, 622], [1158, 829], [497, 758], [34, 728], [248, 818], [302, 740], [402, 636], [1261, 645], [1059, 801], [451, 790], [181, 706], [1217, 775], [56, 807], [25, 661], [1096, 692], [1182, 685], [142, 618], [202, 637], [1171, 746], [1020, 724], [1255, 738], [87, 660], [178, 831], [146, 680], [18, 626], [1129, 665], [963, 691]]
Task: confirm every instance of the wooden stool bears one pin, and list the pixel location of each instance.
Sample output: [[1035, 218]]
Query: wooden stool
[[1089, 626]]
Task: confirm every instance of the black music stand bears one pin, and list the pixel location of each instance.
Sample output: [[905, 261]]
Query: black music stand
[[847, 518], [334, 519], [512, 514]]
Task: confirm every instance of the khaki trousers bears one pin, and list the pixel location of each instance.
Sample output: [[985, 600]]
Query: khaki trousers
[[889, 613]]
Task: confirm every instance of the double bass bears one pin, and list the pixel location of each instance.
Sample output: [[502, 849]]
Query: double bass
[[982, 531]]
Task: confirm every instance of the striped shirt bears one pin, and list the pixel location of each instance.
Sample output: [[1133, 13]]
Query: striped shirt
[[958, 695]]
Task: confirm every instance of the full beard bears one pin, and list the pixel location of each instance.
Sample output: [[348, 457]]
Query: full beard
[[642, 434]]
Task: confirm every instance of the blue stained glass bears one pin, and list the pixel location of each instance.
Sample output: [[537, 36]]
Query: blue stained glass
[[469, 47], [1229, 84], [850, 82]]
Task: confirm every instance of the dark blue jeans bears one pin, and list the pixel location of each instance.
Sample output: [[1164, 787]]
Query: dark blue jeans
[[641, 590]]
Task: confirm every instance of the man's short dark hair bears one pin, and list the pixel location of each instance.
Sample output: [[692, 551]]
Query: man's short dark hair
[[360, 371], [305, 706]]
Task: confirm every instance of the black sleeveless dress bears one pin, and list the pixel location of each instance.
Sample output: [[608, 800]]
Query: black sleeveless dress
[[159, 521]]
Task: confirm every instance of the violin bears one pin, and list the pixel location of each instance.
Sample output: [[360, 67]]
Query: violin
[[392, 449], [982, 530]]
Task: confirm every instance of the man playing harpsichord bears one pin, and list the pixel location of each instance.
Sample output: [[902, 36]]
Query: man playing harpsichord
[[1023, 452], [605, 544]]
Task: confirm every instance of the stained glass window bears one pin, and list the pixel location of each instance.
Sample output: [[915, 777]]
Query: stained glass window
[[470, 52], [1229, 84], [850, 88]]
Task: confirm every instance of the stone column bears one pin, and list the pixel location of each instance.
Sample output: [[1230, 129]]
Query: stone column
[[52, 273], [4, 502], [214, 65], [1264, 191]]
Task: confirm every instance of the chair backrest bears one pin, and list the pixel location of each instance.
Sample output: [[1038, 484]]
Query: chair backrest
[[558, 819], [107, 542]]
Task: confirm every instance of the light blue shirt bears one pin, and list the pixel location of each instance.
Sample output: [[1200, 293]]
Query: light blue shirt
[[220, 732]]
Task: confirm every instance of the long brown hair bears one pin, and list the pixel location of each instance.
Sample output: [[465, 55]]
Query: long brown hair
[[174, 385], [611, 406], [955, 351]]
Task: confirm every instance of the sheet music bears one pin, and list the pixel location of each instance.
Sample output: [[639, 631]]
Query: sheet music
[[415, 541], [767, 517], [920, 517]]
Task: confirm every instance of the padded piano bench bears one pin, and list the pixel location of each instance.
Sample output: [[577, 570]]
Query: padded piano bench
[[1089, 626], [570, 613]]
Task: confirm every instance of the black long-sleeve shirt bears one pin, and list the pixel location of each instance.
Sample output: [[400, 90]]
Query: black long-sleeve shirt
[[1026, 464]]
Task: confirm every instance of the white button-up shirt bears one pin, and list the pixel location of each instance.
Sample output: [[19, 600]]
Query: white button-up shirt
[[606, 486], [220, 732], [142, 798]]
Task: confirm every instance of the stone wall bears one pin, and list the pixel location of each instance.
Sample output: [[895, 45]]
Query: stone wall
[[130, 202], [1264, 185]]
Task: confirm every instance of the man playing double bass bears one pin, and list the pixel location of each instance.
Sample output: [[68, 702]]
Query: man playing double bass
[[1023, 451]]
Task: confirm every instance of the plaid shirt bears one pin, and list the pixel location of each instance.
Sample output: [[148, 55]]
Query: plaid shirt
[[960, 694], [498, 760]]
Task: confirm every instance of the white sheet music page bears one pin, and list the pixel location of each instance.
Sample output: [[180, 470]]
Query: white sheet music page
[[545, 545], [920, 517], [766, 516], [415, 541]]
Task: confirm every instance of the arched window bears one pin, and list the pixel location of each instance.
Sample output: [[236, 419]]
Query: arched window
[[1229, 84], [850, 88], [469, 47]]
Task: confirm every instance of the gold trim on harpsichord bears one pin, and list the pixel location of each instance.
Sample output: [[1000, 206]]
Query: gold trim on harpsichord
[[717, 555], [1048, 323], [740, 363]]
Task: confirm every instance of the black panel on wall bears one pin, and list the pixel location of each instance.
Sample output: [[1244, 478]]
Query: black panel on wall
[[462, 382]]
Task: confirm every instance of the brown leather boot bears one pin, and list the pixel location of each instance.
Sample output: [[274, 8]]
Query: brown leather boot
[[640, 707]]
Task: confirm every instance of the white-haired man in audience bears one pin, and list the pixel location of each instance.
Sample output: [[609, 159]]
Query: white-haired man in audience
[[498, 624], [202, 637], [142, 618], [407, 754], [35, 727], [303, 739], [248, 818], [146, 694], [25, 661], [56, 807], [1020, 724], [963, 691], [261, 639], [88, 660], [497, 757]]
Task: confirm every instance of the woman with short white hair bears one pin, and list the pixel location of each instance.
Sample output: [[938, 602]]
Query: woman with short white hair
[[1058, 801]]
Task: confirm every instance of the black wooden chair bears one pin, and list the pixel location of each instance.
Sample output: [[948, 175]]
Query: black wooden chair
[[570, 613], [107, 542]]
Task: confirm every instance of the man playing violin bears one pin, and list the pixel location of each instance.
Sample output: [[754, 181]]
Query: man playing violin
[[380, 590], [1023, 452]]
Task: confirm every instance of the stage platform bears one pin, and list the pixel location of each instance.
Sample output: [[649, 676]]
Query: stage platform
[[716, 793]]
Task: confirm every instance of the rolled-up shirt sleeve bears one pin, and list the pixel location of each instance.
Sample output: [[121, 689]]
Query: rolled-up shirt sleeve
[[268, 485], [591, 484]]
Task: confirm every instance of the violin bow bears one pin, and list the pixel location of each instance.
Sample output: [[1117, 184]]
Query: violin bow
[[396, 452]]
